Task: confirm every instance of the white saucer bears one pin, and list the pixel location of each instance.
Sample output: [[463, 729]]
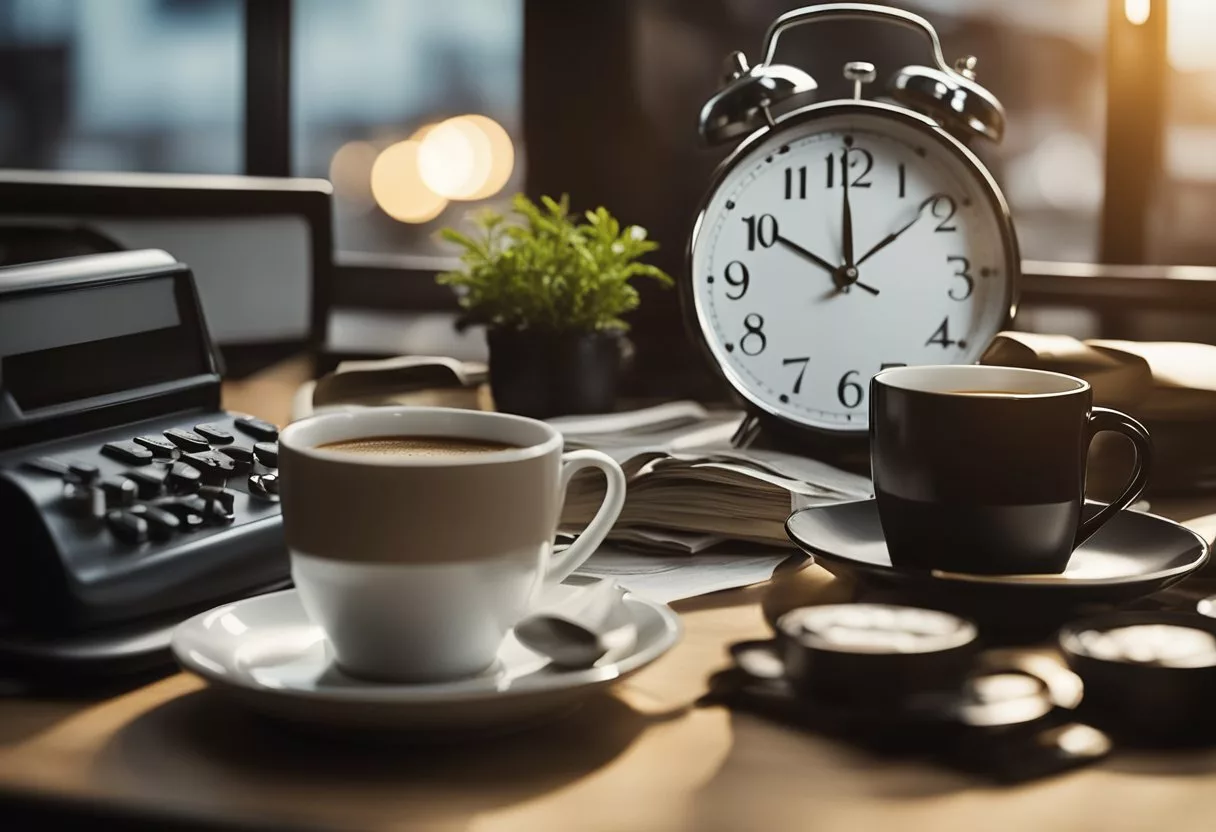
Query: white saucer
[[265, 652]]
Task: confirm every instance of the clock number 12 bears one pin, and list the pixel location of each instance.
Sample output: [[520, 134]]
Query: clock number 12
[[860, 158]]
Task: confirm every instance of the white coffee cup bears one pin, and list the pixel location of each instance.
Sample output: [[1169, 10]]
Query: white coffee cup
[[417, 566]]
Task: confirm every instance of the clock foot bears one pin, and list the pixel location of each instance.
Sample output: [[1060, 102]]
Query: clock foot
[[746, 433]]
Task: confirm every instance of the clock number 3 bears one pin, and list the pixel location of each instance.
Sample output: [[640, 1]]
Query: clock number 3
[[964, 272], [754, 324]]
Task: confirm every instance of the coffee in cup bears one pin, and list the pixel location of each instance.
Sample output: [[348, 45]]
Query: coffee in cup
[[415, 446], [982, 469], [419, 536]]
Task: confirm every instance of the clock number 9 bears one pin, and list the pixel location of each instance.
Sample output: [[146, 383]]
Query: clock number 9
[[754, 324], [738, 278], [850, 393], [964, 272], [763, 230]]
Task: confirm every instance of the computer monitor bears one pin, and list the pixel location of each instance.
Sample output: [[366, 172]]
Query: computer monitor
[[261, 249]]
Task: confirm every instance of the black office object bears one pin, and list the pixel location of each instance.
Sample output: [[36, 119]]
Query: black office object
[[128, 497], [261, 248]]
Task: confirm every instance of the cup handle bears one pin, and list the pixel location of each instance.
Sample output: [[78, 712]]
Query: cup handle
[[561, 564], [1102, 419]]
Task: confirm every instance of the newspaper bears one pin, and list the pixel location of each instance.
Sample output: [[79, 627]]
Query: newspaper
[[690, 490], [672, 578]]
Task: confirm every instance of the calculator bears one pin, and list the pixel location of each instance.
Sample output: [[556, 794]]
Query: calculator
[[127, 493]]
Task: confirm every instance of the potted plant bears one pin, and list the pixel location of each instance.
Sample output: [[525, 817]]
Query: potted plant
[[551, 289]]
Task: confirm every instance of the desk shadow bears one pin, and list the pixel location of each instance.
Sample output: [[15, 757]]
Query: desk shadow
[[203, 738], [1173, 762], [788, 772]]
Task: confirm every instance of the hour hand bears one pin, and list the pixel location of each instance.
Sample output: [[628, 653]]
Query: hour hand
[[802, 252]]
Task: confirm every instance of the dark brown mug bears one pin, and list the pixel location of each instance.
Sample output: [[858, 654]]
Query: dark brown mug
[[982, 469]]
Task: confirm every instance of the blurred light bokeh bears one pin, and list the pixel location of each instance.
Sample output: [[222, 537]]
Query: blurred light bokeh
[[158, 85]]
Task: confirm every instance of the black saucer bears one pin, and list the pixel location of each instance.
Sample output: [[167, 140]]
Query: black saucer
[[1132, 556]]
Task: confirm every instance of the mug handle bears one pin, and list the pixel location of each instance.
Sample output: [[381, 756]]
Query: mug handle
[[561, 564], [1103, 419]]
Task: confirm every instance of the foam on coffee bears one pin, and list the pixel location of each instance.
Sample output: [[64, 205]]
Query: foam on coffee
[[416, 446]]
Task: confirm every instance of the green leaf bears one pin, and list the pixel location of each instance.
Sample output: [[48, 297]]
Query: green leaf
[[539, 267]]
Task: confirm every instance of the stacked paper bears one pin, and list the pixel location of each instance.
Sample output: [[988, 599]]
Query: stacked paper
[[689, 488]]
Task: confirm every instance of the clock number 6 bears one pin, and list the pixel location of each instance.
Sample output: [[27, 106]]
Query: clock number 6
[[964, 271], [850, 393], [763, 230], [754, 324]]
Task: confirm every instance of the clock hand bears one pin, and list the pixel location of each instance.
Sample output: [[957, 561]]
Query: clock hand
[[892, 237], [846, 218], [837, 272], [836, 290], [800, 251]]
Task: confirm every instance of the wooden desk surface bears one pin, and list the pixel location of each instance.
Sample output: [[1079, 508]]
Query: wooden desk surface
[[644, 758]]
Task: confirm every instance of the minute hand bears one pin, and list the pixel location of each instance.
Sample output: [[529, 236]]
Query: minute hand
[[894, 235]]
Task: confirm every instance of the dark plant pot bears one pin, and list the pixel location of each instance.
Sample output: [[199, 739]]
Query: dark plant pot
[[545, 374]]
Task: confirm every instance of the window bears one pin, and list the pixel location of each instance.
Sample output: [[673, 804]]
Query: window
[[159, 85], [1181, 228], [140, 85], [375, 83]]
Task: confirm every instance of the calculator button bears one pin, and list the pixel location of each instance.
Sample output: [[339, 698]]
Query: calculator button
[[161, 523], [127, 452], [83, 472], [215, 468], [83, 499], [46, 465], [187, 440], [120, 492], [224, 498], [257, 428], [127, 527], [220, 504], [183, 478], [160, 447], [242, 456], [267, 453], [188, 514], [214, 434], [150, 481], [265, 486]]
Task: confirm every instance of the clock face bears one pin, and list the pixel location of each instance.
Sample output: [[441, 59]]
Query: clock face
[[844, 243]]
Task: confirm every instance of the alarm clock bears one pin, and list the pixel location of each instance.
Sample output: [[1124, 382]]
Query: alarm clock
[[843, 237]]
